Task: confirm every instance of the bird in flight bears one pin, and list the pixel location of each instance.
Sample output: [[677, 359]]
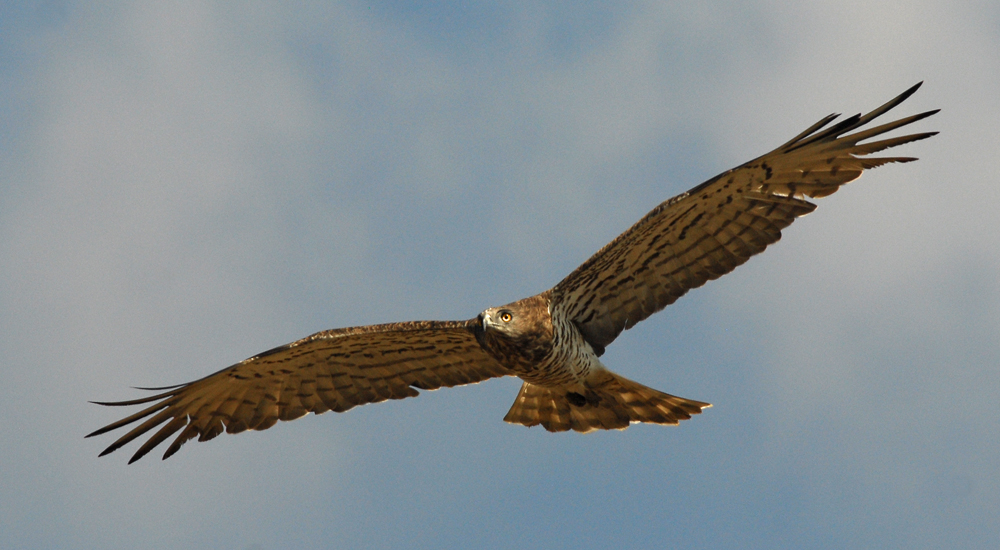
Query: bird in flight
[[552, 341]]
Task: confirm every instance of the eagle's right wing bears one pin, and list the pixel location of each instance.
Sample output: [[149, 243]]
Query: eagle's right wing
[[331, 370]]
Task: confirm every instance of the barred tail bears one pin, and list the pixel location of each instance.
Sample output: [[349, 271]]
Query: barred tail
[[609, 402]]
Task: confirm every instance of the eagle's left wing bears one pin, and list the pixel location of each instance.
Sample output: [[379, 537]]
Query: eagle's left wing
[[331, 370], [708, 231]]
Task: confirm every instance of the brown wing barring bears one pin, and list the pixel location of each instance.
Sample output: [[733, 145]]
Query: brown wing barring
[[706, 232], [682, 243], [333, 370]]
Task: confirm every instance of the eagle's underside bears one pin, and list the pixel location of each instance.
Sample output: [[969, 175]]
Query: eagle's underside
[[553, 340]]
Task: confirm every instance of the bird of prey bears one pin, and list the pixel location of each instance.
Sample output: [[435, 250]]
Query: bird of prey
[[552, 341]]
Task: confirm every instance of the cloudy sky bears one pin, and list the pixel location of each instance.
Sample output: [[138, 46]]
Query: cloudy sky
[[187, 184]]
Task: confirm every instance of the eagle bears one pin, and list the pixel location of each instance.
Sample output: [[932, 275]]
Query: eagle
[[552, 341]]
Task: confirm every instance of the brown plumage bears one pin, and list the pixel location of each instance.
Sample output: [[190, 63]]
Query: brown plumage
[[553, 340]]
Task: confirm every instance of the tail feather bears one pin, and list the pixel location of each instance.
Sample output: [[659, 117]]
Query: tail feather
[[611, 402]]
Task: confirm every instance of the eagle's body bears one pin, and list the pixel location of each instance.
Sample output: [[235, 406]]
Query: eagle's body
[[565, 384], [552, 340]]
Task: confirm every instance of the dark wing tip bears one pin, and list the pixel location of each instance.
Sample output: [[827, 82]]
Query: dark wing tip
[[889, 105], [111, 448], [897, 100], [161, 388], [919, 116], [857, 121], [95, 432], [910, 91], [924, 135], [169, 452], [112, 403]]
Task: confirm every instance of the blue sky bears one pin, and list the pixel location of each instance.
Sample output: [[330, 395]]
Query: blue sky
[[188, 184]]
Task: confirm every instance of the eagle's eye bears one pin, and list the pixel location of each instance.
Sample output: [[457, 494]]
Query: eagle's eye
[[506, 317]]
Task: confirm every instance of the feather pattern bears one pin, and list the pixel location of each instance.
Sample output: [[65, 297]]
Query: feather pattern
[[708, 231], [610, 402], [331, 370], [552, 340]]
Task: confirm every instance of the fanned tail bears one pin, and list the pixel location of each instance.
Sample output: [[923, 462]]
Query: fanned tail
[[610, 402]]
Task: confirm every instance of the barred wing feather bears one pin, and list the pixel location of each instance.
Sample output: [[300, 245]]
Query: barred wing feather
[[706, 232], [332, 370]]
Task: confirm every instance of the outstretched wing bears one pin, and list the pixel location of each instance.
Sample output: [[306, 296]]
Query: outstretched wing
[[708, 231], [331, 370]]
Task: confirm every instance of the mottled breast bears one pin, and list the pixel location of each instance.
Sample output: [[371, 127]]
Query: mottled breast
[[525, 338]]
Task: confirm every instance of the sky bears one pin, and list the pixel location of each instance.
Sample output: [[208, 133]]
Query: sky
[[186, 184]]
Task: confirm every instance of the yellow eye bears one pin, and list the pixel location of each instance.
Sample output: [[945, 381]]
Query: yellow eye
[[506, 317]]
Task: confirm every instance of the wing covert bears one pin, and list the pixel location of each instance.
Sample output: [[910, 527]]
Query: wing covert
[[709, 230], [331, 370]]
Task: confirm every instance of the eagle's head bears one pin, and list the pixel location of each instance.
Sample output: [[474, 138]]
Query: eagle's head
[[518, 334]]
